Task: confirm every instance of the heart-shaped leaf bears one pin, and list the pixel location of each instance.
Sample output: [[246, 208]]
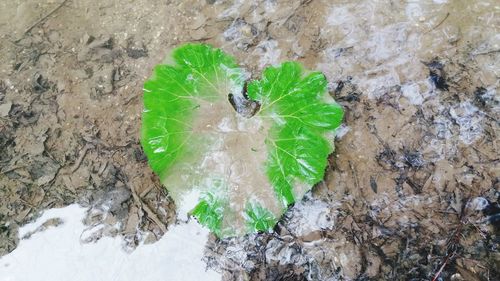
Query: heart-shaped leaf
[[236, 172]]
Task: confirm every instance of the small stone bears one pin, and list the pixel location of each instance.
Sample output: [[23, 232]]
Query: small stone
[[198, 22], [45, 179], [198, 34], [479, 203], [5, 109], [54, 36]]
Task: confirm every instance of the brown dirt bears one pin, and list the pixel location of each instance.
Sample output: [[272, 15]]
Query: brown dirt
[[402, 197]]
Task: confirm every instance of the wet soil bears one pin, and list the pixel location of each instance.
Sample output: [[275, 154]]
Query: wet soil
[[412, 191]]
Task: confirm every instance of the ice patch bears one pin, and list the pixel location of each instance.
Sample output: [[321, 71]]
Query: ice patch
[[311, 215], [339, 15], [478, 203], [469, 119], [269, 53], [226, 125], [378, 85], [57, 254], [341, 131], [233, 10], [414, 11], [388, 43], [412, 93]]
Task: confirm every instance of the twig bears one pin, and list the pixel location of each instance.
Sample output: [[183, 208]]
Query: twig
[[154, 217], [440, 23], [453, 241], [486, 52], [146, 191], [8, 170], [80, 158], [45, 17], [436, 276], [148, 211], [103, 167], [27, 203], [356, 181]]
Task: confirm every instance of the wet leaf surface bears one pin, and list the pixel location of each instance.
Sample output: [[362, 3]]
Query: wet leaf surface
[[246, 171]]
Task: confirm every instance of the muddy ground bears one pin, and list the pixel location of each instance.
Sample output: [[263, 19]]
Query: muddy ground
[[412, 192]]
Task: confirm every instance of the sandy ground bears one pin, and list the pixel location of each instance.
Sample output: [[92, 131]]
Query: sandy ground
[[412, 191]]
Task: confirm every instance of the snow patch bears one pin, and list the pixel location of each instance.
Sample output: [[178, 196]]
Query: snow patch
[[188, 202], [339, 15], [57, 253], [269, 53]]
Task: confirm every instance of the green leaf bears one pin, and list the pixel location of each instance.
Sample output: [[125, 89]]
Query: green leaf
[[209, 212], [173, 93], [297, 146], [245, 170], [259, 218]]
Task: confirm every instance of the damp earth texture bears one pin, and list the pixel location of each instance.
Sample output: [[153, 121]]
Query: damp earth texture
[[404, 187]]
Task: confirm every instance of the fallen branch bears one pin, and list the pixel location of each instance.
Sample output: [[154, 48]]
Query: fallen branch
[[440, 23], [436, 276], [148, 211], [453, 242], [80, 158]]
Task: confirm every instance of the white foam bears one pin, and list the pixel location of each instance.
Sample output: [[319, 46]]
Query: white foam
[[57, 254]]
